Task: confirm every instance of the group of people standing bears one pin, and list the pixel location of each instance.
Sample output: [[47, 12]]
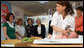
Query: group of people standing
[[63, 24], [18, 31], [37, 30]]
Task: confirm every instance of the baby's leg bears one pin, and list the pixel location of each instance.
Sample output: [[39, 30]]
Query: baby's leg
[[60, 36]]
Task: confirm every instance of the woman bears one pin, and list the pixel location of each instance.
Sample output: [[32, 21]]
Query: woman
[[40, 29], [79, 21], [30, 29], [61, 19], [20, 30], [8, 27]]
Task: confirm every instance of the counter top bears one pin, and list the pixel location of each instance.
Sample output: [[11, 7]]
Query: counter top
[[19, 43], [53, 45]]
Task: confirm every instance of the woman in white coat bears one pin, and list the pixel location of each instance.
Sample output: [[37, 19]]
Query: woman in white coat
[[20, 29], [62, 20]]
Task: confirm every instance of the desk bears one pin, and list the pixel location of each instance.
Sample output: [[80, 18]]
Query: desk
[[37, 45], [56, 45], [19, 43]]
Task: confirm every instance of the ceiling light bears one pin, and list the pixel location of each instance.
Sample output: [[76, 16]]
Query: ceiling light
[[43, 2]]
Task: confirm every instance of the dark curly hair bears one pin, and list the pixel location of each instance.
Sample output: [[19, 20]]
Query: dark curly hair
[[8, 16], [79, 8], [29, 19]]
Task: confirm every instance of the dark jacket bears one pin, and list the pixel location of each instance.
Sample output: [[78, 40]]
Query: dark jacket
[[30, 30], [50, 29], [43, 30]]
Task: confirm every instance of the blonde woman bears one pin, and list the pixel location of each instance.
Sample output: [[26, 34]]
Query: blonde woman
[[20, 30]]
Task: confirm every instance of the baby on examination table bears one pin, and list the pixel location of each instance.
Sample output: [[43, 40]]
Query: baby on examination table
[[68, 34]]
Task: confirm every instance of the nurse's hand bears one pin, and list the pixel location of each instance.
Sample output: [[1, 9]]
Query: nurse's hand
[[66, 34], [68, 30], [64, 31]]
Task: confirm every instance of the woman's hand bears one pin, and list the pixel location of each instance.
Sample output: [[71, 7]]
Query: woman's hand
[[68, 30], [59, 29], [49, 36], [65, 32], [8, 38]]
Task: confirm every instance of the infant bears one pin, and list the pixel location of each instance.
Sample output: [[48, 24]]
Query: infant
[[68, 34]]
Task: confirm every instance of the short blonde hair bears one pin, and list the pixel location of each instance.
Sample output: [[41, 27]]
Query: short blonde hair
[[38, 19]]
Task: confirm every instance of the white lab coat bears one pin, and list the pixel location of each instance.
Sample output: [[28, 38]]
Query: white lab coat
[[58, 21], [20, 29]]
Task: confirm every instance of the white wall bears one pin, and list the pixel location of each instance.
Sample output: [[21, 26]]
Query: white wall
[[18, 12]]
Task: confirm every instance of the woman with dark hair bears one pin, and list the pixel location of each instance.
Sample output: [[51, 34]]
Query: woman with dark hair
[[79, 20], [8, 27], [30, 29], [63, 18]]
